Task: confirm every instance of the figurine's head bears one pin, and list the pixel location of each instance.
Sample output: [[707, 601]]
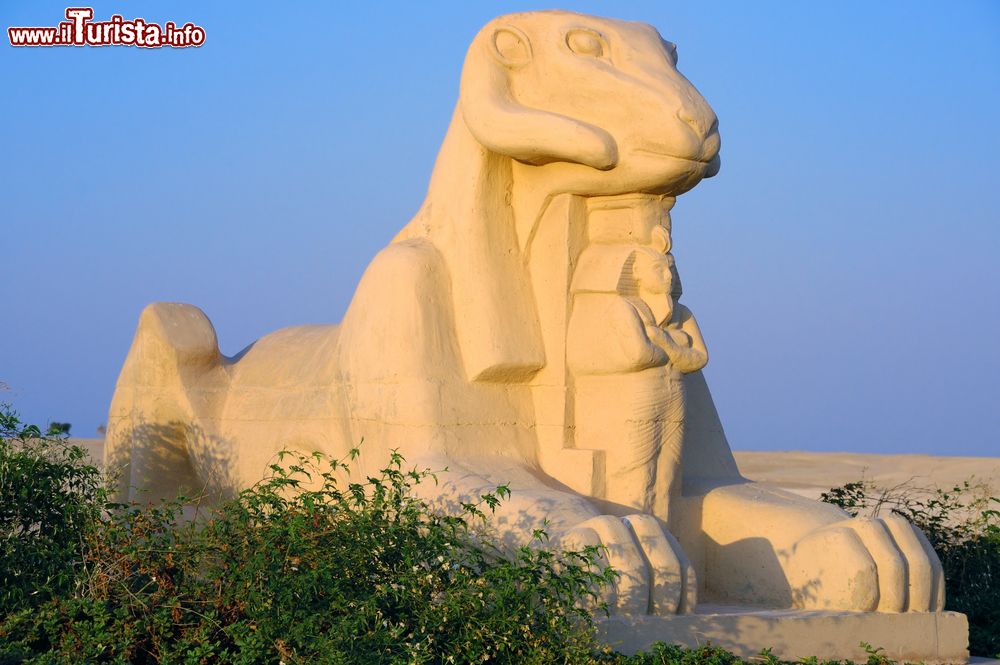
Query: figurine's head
[[595, 103], [653, 273]]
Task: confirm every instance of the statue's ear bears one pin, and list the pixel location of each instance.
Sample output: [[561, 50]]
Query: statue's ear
[[504, 126]]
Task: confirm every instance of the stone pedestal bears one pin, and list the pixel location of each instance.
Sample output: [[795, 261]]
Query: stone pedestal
[[928, 637]]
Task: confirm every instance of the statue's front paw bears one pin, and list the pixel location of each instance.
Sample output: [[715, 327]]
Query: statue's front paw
[[867, 564], [654, 575]]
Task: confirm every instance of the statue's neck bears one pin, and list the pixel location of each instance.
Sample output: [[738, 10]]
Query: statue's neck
[[627, 218], [623, 218], [617, 219]]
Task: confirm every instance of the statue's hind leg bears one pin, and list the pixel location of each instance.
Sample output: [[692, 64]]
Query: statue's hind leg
[[168, 387]]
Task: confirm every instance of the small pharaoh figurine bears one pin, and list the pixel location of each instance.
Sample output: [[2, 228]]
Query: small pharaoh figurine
[[674, 328], [628, 346]]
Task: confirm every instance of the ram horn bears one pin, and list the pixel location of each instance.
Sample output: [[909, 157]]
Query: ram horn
[[504, 126]]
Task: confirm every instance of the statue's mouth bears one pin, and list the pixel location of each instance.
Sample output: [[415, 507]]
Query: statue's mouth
[[708, 152], [703, 154], [698, 162], [671, 156]]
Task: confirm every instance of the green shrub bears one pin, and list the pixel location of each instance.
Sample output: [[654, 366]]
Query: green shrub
[[305, 567], [963, 526], [304, 570], [50, 501]]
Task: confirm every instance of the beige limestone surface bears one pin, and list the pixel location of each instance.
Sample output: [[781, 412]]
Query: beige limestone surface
[[525, 328], [932, 637]]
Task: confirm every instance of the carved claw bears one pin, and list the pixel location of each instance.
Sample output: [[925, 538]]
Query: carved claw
[[654, 574], [866, 564]]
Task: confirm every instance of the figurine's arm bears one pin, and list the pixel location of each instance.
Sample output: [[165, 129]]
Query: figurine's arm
[[682, 341], [607, 335]]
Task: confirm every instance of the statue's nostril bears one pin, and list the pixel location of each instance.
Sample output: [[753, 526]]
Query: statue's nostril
[[696, 121]]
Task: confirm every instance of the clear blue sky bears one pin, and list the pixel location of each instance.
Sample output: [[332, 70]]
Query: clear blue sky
[[844, 264]]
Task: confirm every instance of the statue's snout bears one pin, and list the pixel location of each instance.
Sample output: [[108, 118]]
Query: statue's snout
[[686, 105], [681, 124], [700, 117]]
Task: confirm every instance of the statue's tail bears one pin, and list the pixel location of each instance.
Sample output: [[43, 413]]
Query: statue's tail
[[170, 385]]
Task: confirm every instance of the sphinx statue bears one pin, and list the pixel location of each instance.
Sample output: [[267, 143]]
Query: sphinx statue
[[525, 328]]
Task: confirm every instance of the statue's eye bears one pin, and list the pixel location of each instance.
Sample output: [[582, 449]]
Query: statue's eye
[[586, 42]]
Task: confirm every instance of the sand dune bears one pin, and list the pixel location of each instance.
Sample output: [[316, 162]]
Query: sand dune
[[810, 473], [93, 446]]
